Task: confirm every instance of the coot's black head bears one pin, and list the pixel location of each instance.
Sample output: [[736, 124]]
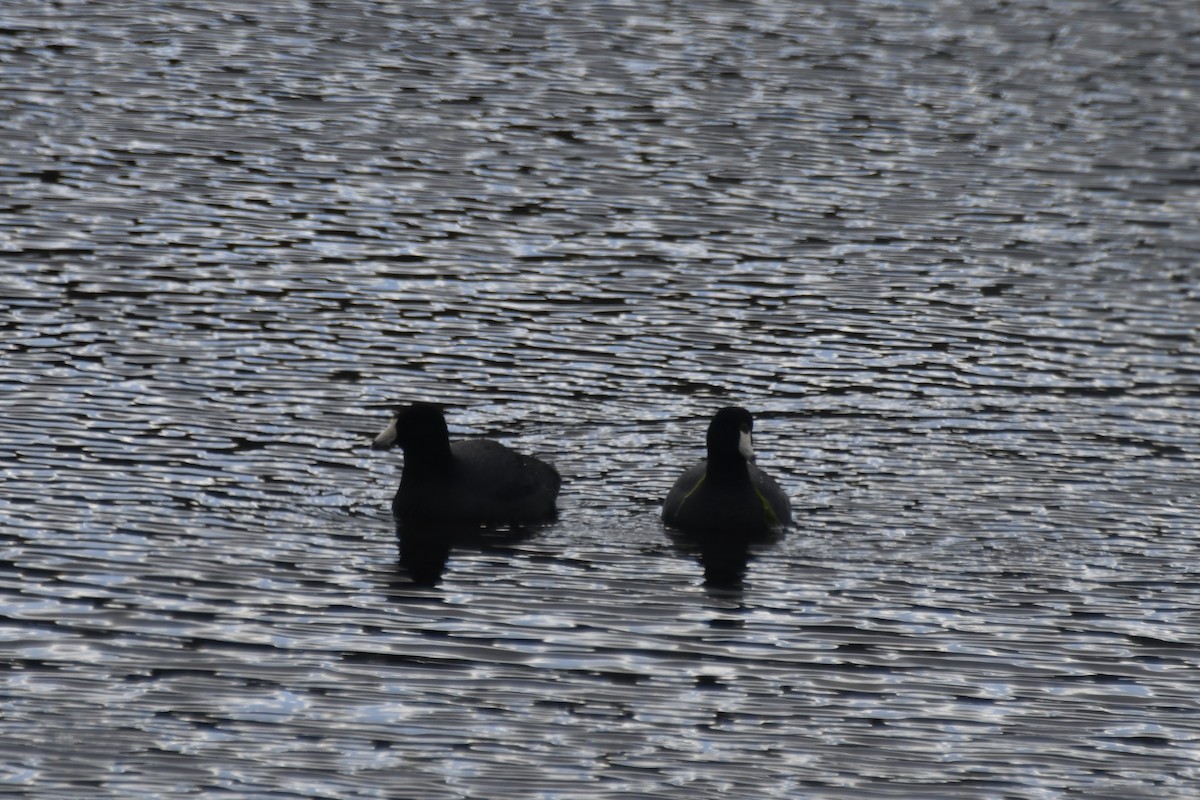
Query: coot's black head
[[730, 436], [420, 426]]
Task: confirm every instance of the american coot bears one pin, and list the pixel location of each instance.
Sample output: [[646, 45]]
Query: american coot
[[725, 494], [469, 482]]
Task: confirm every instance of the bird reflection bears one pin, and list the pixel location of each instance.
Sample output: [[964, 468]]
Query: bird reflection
[[724, 557], [425, 548]]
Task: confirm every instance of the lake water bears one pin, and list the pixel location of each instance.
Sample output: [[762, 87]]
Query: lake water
[[945, 252]]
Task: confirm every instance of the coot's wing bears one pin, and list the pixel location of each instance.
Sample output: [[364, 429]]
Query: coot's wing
[[687, 483], [501, 485], [774, 498]]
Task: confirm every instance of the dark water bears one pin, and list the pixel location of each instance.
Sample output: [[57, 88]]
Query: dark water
[[946, 252]]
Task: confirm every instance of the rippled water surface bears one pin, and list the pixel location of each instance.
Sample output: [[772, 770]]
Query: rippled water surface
[[946, 252]]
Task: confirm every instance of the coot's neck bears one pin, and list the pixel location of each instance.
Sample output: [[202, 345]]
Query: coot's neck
[[727, 467], [429, 458]]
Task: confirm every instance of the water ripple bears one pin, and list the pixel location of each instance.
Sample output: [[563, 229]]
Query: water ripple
[[945, 255]]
